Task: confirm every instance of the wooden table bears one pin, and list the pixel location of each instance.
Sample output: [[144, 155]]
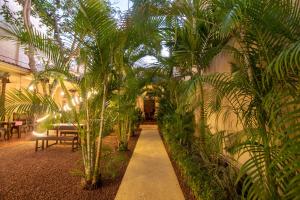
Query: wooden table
[[66, 128], [10, 125], [60, 129]]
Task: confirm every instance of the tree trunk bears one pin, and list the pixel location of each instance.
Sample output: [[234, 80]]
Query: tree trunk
[[199, 114], [88, 157], [129, 133], [202, 115], [28, 26], [96, 175]]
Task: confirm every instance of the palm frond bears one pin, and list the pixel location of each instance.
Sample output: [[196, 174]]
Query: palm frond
[[25, 101]]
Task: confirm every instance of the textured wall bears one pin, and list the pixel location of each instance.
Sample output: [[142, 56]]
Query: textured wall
[[225, 120]]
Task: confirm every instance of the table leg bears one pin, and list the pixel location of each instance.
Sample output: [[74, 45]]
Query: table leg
[[60, 134], [43, 144], [36, 144], [11, 132], [5, 135], [19, 131], [73, 144], [57, 137]]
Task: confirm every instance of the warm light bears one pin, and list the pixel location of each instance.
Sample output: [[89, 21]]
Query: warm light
[[73, 102], [62, 93], [39, 134], [31, 87], [77, 101], [94, 92], [42, 119], [89, 94], [67, 107]]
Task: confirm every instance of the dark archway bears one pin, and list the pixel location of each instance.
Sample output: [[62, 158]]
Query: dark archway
[[149, 109]]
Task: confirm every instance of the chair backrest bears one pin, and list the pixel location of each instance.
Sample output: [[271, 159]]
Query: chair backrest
[[18, 123], [20, 117]]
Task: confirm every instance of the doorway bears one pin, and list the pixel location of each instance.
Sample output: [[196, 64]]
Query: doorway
[[149, 110]]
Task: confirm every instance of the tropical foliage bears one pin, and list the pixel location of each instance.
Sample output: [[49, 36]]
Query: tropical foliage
[[261, 90], [258, 39], [99, 43]]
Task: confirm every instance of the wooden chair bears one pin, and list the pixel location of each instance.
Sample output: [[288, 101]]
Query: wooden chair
[[5, 132], [21, 125]]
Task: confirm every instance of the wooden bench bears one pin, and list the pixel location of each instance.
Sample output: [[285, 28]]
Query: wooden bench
[[48, 138]]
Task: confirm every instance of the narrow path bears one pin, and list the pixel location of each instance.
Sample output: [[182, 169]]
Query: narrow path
[[149, 175]]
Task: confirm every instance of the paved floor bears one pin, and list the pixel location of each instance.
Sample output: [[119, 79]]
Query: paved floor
[[150, 175]]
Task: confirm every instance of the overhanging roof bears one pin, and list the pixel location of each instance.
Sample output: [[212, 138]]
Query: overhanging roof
[[12, 68]]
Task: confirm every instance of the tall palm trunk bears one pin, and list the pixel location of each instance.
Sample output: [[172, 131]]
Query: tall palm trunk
[[87, 148], [96, 175], [129, 132], [199, 114], [202, 114]]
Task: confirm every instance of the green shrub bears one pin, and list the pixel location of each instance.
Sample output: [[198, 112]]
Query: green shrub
[[202, 178], [113, 162]]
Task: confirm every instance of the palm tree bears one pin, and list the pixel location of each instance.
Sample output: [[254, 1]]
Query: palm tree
[[261, 94], [196, 43], [105, 69], [96, 32], [261, 89]]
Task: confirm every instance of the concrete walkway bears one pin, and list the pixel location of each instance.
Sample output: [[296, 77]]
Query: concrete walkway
[[149, 175]]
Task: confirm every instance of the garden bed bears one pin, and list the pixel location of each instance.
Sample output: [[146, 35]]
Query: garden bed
[[55, 172], [187, 191], [196, 179]]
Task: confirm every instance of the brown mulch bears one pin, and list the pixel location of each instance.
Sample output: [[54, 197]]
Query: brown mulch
[[26, 174]]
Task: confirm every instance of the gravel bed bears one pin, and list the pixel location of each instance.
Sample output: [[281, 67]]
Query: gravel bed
[[26, 174]]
